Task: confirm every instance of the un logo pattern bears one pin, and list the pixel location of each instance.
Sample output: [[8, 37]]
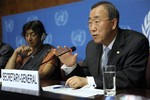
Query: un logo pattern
[[146, 26], [9, 25], [78, 37], [32, 17], [61, 17], [19, 41]]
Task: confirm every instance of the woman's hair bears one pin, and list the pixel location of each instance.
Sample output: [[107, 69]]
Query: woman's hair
[[36, 25]]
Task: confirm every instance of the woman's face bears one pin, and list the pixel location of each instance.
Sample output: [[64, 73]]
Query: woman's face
[[33, 39]]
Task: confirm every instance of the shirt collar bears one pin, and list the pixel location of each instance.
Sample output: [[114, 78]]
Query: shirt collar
[[110, 45]]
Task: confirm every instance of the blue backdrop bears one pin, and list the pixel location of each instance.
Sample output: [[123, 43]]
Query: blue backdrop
[[68, 24]]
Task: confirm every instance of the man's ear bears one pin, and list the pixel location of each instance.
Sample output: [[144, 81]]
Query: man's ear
[[114, 21]]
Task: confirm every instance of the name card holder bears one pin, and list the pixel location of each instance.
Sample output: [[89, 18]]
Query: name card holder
[[21, 79]]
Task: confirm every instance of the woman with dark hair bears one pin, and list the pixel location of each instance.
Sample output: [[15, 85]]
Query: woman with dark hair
[[35, 55]]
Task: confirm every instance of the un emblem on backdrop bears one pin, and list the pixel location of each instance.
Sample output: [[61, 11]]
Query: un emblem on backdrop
[[48, 39], [61, 17], [19, 41], [146, 26], [125, 26], [78, 37], [9, 25], [32, 17]]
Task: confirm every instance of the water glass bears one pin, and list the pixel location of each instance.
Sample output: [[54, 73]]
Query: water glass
[[109, 80]]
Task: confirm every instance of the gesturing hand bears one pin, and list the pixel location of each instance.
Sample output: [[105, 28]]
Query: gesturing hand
[[68, 58]]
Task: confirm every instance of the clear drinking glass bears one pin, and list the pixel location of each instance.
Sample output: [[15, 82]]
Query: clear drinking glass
[[109, 80]]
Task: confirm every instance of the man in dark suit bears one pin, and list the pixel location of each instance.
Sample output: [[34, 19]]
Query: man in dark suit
[[5, 53], [129, 51]]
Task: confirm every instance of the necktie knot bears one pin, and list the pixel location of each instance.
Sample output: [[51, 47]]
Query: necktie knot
[[106, 50]]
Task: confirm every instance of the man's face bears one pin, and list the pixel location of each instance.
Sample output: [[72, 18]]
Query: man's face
[[100, 26]]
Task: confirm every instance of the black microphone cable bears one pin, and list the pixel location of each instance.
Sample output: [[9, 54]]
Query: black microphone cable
[[72, 49]]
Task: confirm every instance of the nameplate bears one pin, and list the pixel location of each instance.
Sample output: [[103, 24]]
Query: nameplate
[[23, 79]]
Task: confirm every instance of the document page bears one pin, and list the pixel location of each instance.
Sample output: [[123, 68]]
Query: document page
[[82, 92]]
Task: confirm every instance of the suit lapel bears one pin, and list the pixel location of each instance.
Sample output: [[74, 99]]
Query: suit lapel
[[117, 48]]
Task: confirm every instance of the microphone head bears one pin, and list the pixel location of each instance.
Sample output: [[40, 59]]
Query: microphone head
[[73, 48]]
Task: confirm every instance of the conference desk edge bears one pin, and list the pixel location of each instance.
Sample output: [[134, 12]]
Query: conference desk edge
[[45, 95]]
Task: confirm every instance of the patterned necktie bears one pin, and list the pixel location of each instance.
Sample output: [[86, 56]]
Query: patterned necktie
[[104, 59]]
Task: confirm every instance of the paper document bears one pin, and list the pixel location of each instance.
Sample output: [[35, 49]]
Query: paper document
[[82, 92]]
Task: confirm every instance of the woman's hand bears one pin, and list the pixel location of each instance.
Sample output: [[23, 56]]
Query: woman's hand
[[23, 49]]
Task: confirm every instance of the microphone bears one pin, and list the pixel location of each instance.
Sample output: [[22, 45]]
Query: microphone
[[72, 49]]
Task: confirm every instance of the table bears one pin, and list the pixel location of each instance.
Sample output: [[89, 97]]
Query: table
[[143, 94]]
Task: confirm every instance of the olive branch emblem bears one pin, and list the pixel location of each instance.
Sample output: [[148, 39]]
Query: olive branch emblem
[[146, 26]]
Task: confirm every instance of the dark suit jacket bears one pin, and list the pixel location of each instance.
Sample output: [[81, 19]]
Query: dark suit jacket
[[131, 61], [5, 53]]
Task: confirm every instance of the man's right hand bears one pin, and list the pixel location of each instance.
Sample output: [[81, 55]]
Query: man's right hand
[[68, 58]]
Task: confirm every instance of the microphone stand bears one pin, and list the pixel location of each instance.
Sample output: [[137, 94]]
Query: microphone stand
[[70, 50]]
